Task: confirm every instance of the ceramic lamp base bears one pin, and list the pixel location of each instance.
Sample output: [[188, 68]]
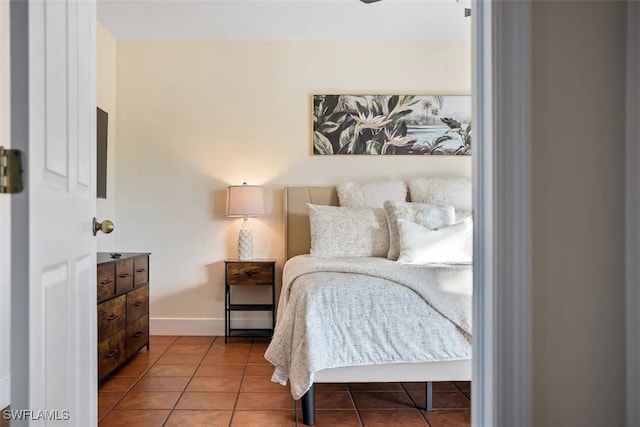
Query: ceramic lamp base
[[245, 244]]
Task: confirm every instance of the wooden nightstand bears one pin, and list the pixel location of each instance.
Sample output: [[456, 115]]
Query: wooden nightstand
[[259, 272]]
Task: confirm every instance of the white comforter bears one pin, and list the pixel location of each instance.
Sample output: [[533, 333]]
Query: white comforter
[[367, 311]]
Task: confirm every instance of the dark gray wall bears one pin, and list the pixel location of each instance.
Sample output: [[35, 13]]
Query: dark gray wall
[[578, 212]]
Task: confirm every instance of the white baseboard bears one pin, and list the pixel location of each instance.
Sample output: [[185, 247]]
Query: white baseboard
[[201, 326], [5, 392]]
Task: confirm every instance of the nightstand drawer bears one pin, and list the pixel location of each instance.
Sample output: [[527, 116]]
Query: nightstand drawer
[[249, 273], [111, 317], [124, 275], [106, 281], [137, 304], [142, 270]]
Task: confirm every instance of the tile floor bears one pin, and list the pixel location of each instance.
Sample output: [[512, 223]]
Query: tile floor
[[191, 381]]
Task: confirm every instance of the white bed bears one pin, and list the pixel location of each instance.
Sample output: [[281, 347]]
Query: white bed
[[297, 242]]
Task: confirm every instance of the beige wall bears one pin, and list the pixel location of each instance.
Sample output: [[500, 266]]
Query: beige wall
[[578, 202], [106, 98], [195, 117], [5, 220]]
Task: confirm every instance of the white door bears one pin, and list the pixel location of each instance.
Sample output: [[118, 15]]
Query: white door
[[54, 275]]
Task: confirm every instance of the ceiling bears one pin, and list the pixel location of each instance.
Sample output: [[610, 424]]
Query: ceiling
[[323, 20]]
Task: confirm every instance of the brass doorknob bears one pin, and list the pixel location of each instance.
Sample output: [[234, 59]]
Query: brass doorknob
[[105, 226]]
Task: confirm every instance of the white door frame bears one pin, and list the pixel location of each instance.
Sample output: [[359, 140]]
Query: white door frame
[[501, 386], [632, 214]]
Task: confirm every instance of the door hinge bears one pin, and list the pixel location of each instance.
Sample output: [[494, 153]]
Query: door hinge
[[10, 171]]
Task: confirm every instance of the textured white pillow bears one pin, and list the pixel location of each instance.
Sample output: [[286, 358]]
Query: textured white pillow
[[451, 244], [454, 192], [348, 232], [430, 216], [351, 194]]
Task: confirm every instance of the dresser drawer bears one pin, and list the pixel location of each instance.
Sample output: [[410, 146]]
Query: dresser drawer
[[137, 304], [111, 353], [141, 270], [137, 335], [249, 273], [111, 317], [124, 275], [106, 281]]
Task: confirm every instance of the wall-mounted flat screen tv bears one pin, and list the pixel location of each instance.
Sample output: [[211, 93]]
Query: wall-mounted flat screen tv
[[101, 152]]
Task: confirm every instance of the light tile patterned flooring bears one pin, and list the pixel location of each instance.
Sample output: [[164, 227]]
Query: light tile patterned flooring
[[201, 381]]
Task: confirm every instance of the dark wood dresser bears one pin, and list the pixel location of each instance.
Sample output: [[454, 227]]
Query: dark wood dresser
[[123, 309]]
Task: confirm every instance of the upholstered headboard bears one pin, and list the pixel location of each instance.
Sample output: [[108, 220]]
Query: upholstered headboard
[[297, 235]]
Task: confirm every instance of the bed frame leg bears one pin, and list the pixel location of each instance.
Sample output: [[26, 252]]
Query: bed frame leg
[[309, 407], [428, 403]]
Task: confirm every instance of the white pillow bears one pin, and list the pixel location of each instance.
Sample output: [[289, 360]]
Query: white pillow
[[454, 192], [430, 216], [451, 244], [348, 232], [373, 195], [462, 214]]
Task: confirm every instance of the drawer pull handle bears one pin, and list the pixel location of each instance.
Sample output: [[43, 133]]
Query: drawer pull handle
[[138, 334], [124, 275], [141, 270], [106, 282], [249, 273], [113, 317], [113, 353], [138, 304]]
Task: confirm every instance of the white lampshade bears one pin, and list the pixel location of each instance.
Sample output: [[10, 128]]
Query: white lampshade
[[245, 200]]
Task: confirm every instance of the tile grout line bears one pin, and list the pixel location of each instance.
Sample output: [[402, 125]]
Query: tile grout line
[[353, 402], [123, 394], [246, 364], [126, 392], [152, 365], [188, 382], [461, 391], [422, 415]]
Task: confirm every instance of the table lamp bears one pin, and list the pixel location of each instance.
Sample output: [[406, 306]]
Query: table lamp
[[245, 200]]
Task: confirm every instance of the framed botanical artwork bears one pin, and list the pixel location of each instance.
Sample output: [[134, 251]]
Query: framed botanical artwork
[[391, 125]]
